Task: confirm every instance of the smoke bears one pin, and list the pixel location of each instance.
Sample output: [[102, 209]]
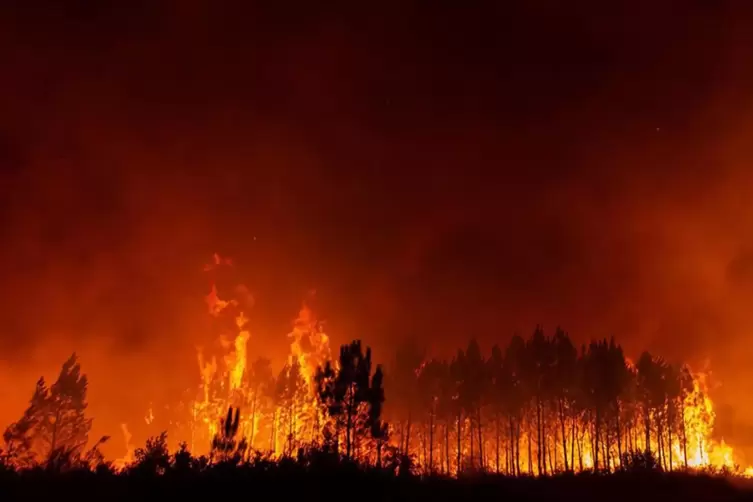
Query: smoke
[[470, 174]]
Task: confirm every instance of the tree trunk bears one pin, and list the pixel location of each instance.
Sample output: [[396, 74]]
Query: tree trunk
[[517, 445], [470, 433], [564, 435], [543, 445], [551, 453], [459, 444], [402, 435], [349, 426], [480, 439], [629, 438], [684, 435], [496, 446], [572, 444], [431, 442], [447, 445], [407, 435], [514, 465], [597, 425], [508, 458], [619, 434], [539, 434], [530, 450], [669, 439], [660, 441]]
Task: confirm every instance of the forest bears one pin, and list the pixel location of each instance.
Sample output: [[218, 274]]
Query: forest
[[540, 405], [529, 420], [538, 408]]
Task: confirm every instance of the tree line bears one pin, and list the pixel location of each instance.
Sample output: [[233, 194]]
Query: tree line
[[535, 406], [541, 405], [348, 398]]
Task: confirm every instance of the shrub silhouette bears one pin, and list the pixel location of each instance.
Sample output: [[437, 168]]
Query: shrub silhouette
[[225, 445], [316, 474], [639, 462], [153, 458]]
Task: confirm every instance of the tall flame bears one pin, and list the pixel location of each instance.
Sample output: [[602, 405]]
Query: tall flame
[[227, 383], [280, 417]]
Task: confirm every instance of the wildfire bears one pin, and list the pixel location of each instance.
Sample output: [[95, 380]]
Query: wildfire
[[129, 456], [699, 424], [279, 413], [287, 409], [310, 344]]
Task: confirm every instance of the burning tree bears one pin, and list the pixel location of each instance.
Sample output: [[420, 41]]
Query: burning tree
[[226, 446], [536, 406], [54, 426], [261, 387], [18, 450], [378, 428], [404, 405], [271, 409], [290, 399], [540, 406], [351, 396]]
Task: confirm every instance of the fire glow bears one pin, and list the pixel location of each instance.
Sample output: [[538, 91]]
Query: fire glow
[[552, 433]]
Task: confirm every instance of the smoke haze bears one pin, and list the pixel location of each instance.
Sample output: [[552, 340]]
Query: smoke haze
[[439, 173]]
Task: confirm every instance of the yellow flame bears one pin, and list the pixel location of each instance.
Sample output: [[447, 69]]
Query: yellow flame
[[277, 427]]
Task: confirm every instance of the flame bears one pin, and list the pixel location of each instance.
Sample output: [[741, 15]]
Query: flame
[[695, 446], [225, 383], [310, 344], [699, 424], [129, 456], [281, 419], [236, 360]]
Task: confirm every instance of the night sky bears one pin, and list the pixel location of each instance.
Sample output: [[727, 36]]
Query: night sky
[[440, 170]]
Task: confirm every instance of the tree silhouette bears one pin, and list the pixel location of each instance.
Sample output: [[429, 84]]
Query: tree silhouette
[[153, 458], [498, 388], [459, 402], [430, 381], [226, 447], [685, 388], [18, 449], [54, 426], [290, 393], [651, 396], [405, 397], [377, 427], [515, 364], [261, 385], [570, 409], [565, 382], [345, 393], [538, 365], [536, 406], [473, 392]]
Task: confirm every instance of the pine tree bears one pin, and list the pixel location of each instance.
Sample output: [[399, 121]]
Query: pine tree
[[290, 393], [345, 393], [377, 426]]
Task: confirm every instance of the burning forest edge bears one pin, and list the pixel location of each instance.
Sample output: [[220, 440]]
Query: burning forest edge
[[537, 407]]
